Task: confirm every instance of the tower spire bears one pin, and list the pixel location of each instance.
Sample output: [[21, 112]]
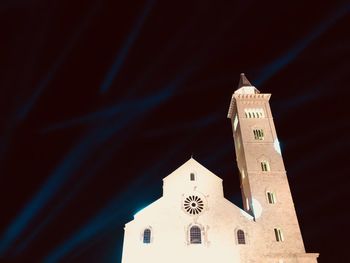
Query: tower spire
[[243, 81], [245, 87]]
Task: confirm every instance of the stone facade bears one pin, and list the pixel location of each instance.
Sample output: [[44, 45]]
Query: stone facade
[[193, 221]]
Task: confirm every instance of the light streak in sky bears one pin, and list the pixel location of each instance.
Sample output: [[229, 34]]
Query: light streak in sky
[[45, 81], [113, 72], [278, 64], [80, 152], [115, 209]]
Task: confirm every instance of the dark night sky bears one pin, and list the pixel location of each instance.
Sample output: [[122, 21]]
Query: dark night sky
[[102, 99]]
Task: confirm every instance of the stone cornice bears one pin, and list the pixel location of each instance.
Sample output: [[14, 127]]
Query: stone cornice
[[248, 99]]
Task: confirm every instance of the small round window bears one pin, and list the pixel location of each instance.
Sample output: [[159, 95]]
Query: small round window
[[193, 205]]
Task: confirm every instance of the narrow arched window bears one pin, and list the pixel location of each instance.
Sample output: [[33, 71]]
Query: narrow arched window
[[271, 197], [192, 178], [258, 134], [195, 235], [240, 237], [265, 166], [278, 235], [147, 236]]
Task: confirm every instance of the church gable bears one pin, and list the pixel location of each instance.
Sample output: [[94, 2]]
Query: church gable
[[195, 167], [194, 189], [192, 176], [191, 192], [191, 214]]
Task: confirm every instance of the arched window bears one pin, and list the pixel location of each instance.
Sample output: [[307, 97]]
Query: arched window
[[147, 236], [240, 237], [278, 235], [195, 235], [192, 178], [271, 197], [254, 113], [258, 134], [265, 166]]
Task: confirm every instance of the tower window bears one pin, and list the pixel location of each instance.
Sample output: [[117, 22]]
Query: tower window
[[195, 235], [235, 123], [254, 113], [192, 178], [258, 134], [240, 237], [265, 166], [278, 235], [271, 197], [147, 236]]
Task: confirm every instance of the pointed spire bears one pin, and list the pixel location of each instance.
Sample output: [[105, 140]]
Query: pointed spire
[[243, 81], [245, 87]]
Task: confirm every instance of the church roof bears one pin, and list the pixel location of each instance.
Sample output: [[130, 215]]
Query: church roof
[[178, 184], [192, 164]]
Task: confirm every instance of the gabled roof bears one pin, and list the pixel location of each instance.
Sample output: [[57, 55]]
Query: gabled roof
[[192, 163], [211, 180]]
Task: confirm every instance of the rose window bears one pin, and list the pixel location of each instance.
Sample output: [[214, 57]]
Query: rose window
[[193, 205]]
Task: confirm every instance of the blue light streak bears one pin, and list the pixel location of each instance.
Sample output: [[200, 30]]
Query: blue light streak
[[93, 138], [127, 106], [278, 64], [113, 72], [51, 186], [91, 171], [45, 81], [195, 125], [114, 210]]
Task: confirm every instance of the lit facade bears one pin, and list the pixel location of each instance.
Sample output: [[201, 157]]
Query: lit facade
[[193, 222]]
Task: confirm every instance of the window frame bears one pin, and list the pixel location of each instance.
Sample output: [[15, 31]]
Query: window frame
[[241, 237], [195, 238], [192, 177], [147, 239], [271, 197], [258, 134], [265, 166], [254, 113], [279, 235]]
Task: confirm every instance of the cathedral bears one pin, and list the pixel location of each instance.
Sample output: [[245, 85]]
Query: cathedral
[[193, 222]]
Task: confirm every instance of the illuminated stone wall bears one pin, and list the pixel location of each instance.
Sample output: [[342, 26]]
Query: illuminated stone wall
[[170, 222], [193, 196]]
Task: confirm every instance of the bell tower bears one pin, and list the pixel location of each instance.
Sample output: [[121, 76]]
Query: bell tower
[[263, 179]]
